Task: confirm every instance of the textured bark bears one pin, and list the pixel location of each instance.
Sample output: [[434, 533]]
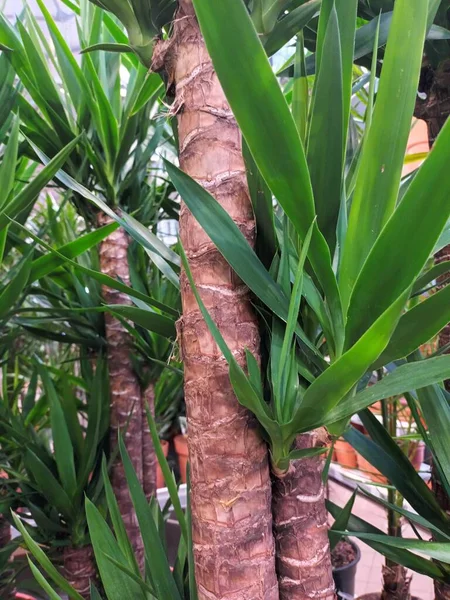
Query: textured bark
[[149, 460], [301, 527], [124, 385], [396, 583], [434, 107], [434, 110], [5, 532], [230, 482], [80, 568]]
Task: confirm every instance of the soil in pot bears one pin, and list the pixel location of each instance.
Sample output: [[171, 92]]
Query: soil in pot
[[344, 558], [181, 448], [159, 476], [345, 454]]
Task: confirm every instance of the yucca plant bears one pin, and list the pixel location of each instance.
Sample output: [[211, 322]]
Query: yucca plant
[[118, 565], [111, 98], [347, 315], [55, 460], [360, 322]]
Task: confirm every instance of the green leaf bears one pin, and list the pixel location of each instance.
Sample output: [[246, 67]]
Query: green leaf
[[229, 240], [52, 595], [396, 555], [64, 456], [417, 326], [430, 275], [117, 521], [100, 277], [12, 292], [403, 379], [46, 264], [261, 196], [245, 392], [338, 380], [300, 90], [422, 214], [232, 244], [438, 551], [382, 157], [290, 25], [436, 411], [48, 484], [29, 193], [294, 307], [396, 467], [326, 160], [45, 563], [8, 164], [341, 521], [117, 585], [146, 318], [162, 578], [107, 48], [410, 516], [156, 249], [151, 87], [167, 474], [266, 123]]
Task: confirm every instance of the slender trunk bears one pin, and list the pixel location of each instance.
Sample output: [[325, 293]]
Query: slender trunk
[[148, 451], [80, 568], [230, 482], [434, 109], [126, 403], [301, 527], [396, 583]]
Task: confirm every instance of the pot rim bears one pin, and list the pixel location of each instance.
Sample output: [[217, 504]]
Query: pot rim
[[354, 562]]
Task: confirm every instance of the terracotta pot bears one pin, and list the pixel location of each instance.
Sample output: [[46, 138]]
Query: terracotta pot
[[345, 454], [159, 476], [23, 596], [369, 470], [181, 449]]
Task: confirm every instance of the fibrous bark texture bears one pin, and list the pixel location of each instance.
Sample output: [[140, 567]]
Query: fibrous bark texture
[[126, 404], [230, 482], [5, 532], [434, 109], [396, 583], [148, 451], [80, 568], [301, 528]]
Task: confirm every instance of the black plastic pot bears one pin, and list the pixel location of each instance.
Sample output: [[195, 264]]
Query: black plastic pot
[[344, 577]]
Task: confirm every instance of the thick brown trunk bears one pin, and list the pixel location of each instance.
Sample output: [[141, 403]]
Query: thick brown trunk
[[435, 110], [396, 583], [301, 527], [148, 451], [230, 483], [80, 568], [126, 403]]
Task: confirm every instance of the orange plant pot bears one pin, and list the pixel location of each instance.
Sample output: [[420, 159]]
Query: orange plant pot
[[345, 454], [181, 448], [160, 483], [369, 470]]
